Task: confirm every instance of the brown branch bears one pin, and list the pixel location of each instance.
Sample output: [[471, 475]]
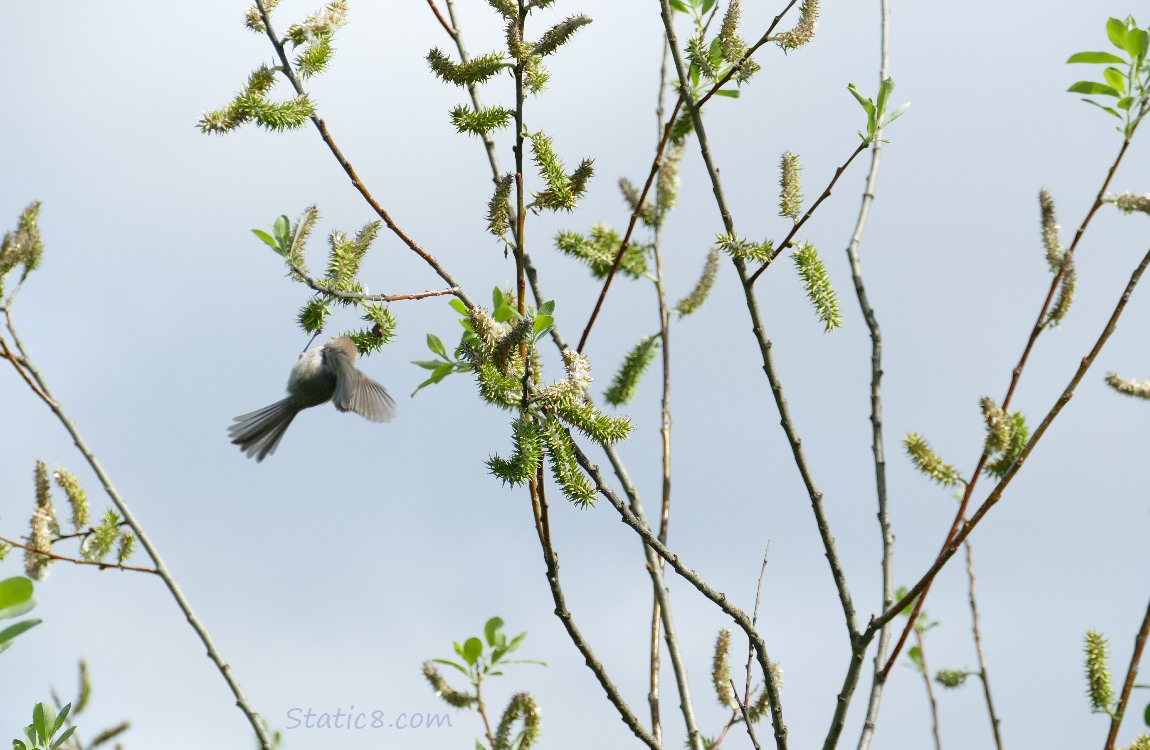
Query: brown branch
[[15, 360], [996, 494], [76, 561], [655, 164], [929, 690], [289, 73], [1016, 375], [443, 21], [1128, 685], [810, 211]]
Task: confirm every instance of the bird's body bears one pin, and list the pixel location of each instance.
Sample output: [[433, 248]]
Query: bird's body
[[325, 374]]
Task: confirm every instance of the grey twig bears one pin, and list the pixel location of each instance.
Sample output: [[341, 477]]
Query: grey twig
[[325, 289], [877, 443], [126, 513], [976, 629], [738, 616], [764, 344]]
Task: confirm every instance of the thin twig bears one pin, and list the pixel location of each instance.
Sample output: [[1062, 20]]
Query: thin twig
[[443, 21], [738, 616], [289, 73], [322, 288], [925, 670], [976, 630], [996, 494], [877, 442], [77, 561], [764, 344], [551, 561], [664, 412], [746, 717], [1016, 375], [1128, 684], [161, 569], [750, 651], [810, 211], [655, 164]]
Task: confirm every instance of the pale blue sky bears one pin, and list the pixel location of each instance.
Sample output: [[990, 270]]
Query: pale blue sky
[[329, 572]]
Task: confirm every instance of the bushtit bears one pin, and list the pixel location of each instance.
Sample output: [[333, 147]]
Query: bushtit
[[324, 374]]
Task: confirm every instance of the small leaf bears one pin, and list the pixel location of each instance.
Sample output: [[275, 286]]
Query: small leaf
[[1105, 109], [15, 596], [491, 630], [1116, 30], [543, 323], [282, 231], [427, 364], [729, 93], [547, 307], [458, 306], [707, 5], [448, 663], [43, 717], [1090, 87], [268, 239], [1124, 103], [10, 632], [1095, 57], [502, 314], [496, 297], [894, 115], [866, 103], [435, 345], [60, 717], [472, 648], [680, 6], [884, 90], [1116, 78], [63, 738], [1137, 43]]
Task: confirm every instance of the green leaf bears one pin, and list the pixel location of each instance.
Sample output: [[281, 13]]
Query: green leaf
[[543, 323], [60, 717], [1095, 57], [15, 597], [491, 630], [427, 364], [679, 5], [1125, 102], [282, 231], [866, 103], [1116, 78], [884, 90], [435, 345], [502, 314], [449, 663], [1090, 87], [707, 5], [1116, 30], [43, 717], [63, 738], [10, 632], [729, 93], [894, 115], [458, 306], [472, 648], [547, 307], [1104, 109], [1137, 43], [1146, 716], [497, 297], [268, 239]]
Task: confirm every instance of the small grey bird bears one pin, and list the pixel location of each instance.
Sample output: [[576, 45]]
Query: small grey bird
[[324, 374]]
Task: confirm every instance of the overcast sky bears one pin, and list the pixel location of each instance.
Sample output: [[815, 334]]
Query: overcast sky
[[329, 572]]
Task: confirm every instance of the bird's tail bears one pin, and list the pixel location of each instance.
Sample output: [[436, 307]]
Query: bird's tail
[[258, 433]]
